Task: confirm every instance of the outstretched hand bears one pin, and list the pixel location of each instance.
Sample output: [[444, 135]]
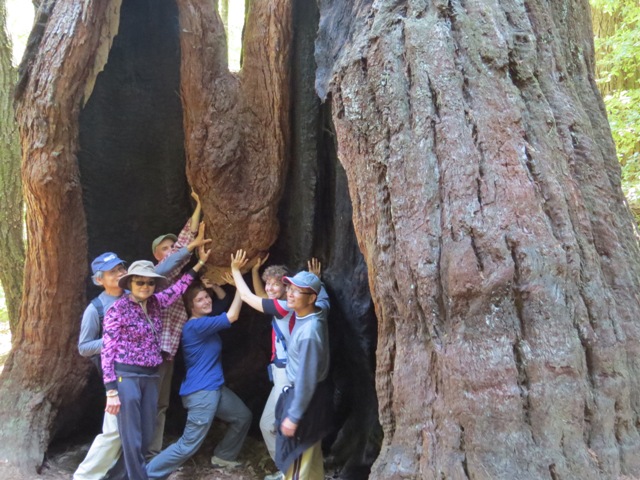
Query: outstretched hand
[[227, 277], [203, 254], [314, 266], [239, 260], [195, 197], [200, 240], [259, 262]]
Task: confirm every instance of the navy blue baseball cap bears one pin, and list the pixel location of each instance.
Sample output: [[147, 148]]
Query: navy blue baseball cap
[[105, 262]]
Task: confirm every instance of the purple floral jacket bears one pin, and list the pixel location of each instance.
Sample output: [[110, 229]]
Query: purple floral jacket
[[129, 337]]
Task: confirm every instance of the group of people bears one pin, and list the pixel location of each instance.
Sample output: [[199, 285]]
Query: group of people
[[132, 331]]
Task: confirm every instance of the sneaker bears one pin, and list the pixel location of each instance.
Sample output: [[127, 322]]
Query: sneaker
[[275, 476], [217, 462]]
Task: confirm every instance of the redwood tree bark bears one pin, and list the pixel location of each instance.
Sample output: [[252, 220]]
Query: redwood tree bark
[[236, 129], [502, 261], [42, 374], [11, 216], [236, 125]]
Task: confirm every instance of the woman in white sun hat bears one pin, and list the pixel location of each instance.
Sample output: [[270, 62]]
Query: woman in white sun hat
[[131, 356]]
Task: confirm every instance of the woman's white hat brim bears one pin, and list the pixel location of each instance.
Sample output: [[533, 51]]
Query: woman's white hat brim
[[141, 268]]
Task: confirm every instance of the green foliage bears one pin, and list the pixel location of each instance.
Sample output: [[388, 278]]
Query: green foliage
[[618, 60]]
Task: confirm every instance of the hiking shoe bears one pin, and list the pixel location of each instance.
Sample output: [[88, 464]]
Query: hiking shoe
[[275, 476], [217, 462]]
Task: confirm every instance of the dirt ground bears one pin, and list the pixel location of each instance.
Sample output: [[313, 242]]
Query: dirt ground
[[62, 463]]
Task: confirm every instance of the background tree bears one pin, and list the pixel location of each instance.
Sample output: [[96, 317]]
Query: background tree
[[11, 215], [616, 26]]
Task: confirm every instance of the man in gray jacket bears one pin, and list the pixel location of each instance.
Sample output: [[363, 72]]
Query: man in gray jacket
[[305, 403], [105, 450]]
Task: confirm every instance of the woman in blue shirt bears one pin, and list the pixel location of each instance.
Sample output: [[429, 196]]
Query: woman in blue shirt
[[203, 392]]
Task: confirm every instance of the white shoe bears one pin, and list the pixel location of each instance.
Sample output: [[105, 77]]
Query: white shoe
[[275, 476], [218, 462]]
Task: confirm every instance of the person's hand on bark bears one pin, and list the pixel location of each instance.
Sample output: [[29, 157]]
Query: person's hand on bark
[[203, 256], [227, 277], [199, 240], [259, 262], [196, 198], [314, 266], [197, 213], [238, 260]]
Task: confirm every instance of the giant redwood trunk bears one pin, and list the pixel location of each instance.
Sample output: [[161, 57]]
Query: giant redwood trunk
[[127, 194], [502, 262]]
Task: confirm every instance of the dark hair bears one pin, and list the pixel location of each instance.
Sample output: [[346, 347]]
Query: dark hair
[[191, 293], [274, 271]]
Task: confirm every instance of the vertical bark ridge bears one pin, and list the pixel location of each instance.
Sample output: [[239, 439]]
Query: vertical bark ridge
[[528, 239], [43, 374], [11, 204]]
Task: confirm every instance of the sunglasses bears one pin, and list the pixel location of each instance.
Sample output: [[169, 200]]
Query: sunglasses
[[142, 283]]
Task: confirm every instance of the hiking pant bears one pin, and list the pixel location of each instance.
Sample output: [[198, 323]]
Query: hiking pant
[[103, 453], [202, 406], [268, 419], [138, 394]]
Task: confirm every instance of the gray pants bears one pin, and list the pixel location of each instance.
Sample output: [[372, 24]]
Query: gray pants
[[139, 400], [202, 407]]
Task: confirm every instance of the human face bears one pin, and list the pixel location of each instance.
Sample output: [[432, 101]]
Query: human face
[[142, 287], [163, 249], [201, 305], [110, 279], [299, 300], [275, 289]]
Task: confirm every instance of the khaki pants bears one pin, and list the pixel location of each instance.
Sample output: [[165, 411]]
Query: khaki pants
[[307, 466], [268, 419], [104, 452]]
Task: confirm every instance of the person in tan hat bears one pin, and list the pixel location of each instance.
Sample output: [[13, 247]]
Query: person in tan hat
[[131, 355], [173, 253]]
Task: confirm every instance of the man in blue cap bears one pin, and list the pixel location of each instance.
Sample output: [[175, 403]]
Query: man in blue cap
[[107, 269]]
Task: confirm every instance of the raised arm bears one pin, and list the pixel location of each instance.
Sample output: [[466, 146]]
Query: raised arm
[[174, 292], [197, 212], [234, 310], [258, 286], [238, 261], [199, 240]]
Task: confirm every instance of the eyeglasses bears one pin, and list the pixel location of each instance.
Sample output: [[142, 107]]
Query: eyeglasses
[[142, 283], [296, 291]]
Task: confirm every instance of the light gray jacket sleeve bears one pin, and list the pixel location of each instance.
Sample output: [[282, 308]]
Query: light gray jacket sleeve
[[170, 267], [322, 301], [90, 340]]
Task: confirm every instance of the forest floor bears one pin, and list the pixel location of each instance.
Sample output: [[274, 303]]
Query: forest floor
[[61, 464], [63, 460]]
